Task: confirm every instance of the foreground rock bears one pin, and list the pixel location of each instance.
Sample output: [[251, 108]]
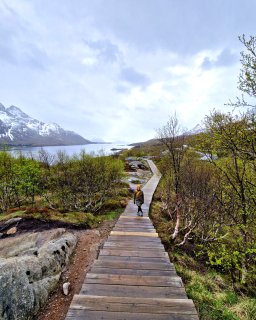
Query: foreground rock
[[30, 268]]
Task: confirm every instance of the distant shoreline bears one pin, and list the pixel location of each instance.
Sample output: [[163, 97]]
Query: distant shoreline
[[3, 145]]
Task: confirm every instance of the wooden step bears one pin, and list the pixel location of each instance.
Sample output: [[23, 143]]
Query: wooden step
[[129, 259], [133, 238], [108, 315], [138, 305], [141, 272], [136, 218], [134, 280], [135, 291], [133, 265], [134, 230], [121, 245], [133, 233], [134, 253]]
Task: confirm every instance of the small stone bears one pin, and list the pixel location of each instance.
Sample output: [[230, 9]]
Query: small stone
[[96, 232], [1, 235], [12, 230], [66, 288]]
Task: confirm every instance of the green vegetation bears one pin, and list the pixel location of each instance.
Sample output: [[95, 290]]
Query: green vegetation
[[205, 207], [142, 150], [82, 190], [212, 291]]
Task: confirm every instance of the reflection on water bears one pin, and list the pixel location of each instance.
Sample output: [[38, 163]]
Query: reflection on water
[[94, 149]]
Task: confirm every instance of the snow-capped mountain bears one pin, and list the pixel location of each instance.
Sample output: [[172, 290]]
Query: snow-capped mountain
[[196, 130], [17, 128]]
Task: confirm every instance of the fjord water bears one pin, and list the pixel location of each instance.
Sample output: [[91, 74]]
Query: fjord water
[[96, 149]]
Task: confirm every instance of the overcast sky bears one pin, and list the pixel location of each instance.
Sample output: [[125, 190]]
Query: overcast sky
[[116, 69]]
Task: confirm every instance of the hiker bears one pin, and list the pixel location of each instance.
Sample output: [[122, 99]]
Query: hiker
[[139, 199]]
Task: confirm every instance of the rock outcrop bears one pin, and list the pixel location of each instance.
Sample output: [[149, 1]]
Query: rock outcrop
[[30, 268]]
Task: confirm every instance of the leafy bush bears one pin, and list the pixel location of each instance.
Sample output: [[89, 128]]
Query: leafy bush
[[78, 183]]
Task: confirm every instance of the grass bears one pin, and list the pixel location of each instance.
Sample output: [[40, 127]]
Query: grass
[[110, 211], [81, 219], [136, 181], [112, 207], [4, 217]]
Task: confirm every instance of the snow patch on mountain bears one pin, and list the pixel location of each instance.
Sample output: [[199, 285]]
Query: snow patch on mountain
[[16, 127]]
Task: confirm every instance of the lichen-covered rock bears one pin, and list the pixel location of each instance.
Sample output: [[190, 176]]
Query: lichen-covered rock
[[30, 269]]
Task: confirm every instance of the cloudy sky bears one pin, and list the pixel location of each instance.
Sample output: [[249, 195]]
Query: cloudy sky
[[116, 69]]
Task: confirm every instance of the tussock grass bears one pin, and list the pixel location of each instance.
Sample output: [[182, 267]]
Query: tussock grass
[[245, 309]]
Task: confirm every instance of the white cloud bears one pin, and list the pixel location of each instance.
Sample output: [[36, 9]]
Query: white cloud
[[110, 76]]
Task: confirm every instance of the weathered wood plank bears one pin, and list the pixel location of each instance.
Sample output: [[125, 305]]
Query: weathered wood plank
[[129, 259], [106, 315], [136, 218], [134, 253], [131, 305], [141, 272], [134, 230], [133, 248], [130, 246], [133, 238], [123, 233], [134, 222], [132, 280], [133, 265], [133, 291], [146, 228]]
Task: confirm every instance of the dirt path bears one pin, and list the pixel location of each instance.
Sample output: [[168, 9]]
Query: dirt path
[[89, 242]]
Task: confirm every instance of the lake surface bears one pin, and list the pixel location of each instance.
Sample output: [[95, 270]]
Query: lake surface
[[95, 149]]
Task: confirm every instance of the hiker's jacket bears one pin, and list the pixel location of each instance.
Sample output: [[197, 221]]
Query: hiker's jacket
[[138, 197]]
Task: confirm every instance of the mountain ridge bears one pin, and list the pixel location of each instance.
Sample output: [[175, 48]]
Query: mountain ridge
[[18, 128]]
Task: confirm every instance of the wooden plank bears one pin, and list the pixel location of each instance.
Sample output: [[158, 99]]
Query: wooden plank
[[134, 253], [140, 228], [133, 280], [105, 315], [134, 230], [133, 265], [119, 237], [132, 248], [133, 291], [123, 233], [137, 222], [128, 259], [134, 226], [134, 244], [138, 305], [136, 218], [131, 245], [141, 272]]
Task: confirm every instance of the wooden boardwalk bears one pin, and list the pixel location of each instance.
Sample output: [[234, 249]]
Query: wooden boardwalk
[[133, 279]]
